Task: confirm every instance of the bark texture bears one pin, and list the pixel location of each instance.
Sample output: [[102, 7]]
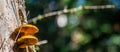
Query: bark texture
[[9, 20]]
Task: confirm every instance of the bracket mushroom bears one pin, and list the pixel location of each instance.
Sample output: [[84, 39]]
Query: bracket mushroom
[[27, 41], [26, 35], [28, 29]]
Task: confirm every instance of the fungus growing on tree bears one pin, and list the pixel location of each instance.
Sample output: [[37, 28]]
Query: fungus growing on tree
[[25, 29], [24, 35], [27, 41], [28, 29]]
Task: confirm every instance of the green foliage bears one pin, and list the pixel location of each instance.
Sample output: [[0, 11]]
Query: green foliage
[[95, 26], [105, 28]]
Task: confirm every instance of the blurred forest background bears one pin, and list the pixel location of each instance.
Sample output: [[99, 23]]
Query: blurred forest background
[[86, 30]]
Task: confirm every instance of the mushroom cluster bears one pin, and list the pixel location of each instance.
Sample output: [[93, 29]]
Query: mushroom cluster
[[26, 36]]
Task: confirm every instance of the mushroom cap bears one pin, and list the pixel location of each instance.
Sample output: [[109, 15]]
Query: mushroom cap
[[28, 29], [23, 46], [27, 40]]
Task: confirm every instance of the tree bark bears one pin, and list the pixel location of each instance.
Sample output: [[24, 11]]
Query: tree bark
[[9, 21]]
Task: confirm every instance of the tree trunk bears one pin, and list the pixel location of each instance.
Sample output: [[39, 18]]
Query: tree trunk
[[9, 20]]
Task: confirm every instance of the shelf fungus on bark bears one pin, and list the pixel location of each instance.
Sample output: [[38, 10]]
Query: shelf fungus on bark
[[28, 29], [27, 40], [24, 35], [25, 29]]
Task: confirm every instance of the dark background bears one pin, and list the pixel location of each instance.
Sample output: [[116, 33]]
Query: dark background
[[87, 30]]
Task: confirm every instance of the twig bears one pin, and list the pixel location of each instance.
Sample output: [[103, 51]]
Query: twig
[[69, 10]]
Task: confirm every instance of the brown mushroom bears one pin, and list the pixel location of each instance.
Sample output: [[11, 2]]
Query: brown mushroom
[[22, 46], [27, 40], [28, 29]]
